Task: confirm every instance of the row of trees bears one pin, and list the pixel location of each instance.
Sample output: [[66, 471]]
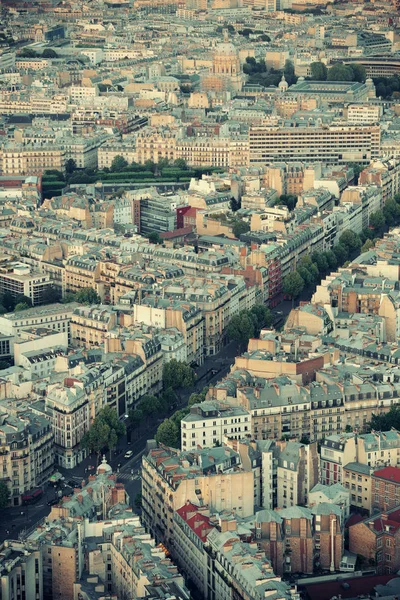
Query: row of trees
[[104, 432], [30, 53], [338, 72], [311, 269], [258, 72], [248, 324], [169, 431]]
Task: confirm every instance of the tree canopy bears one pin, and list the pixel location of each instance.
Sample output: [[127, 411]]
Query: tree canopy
[[168, 434], [177, 374], [84, 296], [4, 494], [105, 431], [293, 285]]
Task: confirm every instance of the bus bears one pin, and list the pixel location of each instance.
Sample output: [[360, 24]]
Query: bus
[[32, 497]]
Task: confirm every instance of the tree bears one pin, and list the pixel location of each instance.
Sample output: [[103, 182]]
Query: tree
[[240, 227], [28, 53], [261, 316], [377, 221], [241, 328], [351, 240], [51, 294], [391, 212], [21, 306], [341, 253], [340, 72], [359, 73], [148, 405], [118, 164], [357, 168], [321, 261], [367, 246], [70, 166], [177, 374], [332, 260], [287, 200], [49, 53], [105, 431], [87, 296], [318, 71], [4, 494], [135, 417], [154, 237], [7, 300], [138, 501], [168, 434], [234, 204], [293, 285], [180, 163], [385, 421]]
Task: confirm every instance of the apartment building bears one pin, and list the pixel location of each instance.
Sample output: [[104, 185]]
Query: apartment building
[[109, 151], [357, 479], [375, 449], [154, 145], [300, 540], [21, 571], [27, 454], [56, 317], [377, 538], [90, 325], [17, 279], [297, 473], [31, 159], [81, 272], [361, 114], [170, 478], [221, 559], [209, 423], [67, 407], [385, 489], [332, 144]]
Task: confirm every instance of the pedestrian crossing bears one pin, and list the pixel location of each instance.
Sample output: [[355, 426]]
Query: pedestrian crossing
[[127, 477]]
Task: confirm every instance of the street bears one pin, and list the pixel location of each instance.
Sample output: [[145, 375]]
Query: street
[[15, 520]]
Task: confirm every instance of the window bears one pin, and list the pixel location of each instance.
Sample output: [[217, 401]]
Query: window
[[388, 557], [388, 543]]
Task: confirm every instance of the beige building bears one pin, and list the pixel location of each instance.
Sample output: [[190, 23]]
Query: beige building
[[26, 452], [31, 159], [213, 477], [90, 325], [333, 144]]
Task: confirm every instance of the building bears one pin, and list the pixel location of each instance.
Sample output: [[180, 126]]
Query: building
[[17, 279], [297, 473], [385, 489], [21, 563], [27, 452], [67, 407], [300, 540], [209, 476], [331, 144], [52, 316], [209, 423], [377, 538]]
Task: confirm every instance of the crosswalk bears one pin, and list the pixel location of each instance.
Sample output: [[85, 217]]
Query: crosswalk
[[127, 477]]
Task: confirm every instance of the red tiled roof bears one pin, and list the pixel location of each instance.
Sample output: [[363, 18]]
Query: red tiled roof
[[388, 473], [167, 235], [198, 523]]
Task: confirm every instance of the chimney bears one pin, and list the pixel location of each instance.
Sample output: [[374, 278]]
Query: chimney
[[80, 498]]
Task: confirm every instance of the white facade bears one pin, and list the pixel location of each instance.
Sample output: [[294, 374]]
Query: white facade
[[209, 423], [123, 213]]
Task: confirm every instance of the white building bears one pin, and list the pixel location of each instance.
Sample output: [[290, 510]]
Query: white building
[[333, 494], [209, 423], [123, 211]]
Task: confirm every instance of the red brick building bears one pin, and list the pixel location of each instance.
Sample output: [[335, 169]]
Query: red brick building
[[378, 539], [385, 489], [300, 540]]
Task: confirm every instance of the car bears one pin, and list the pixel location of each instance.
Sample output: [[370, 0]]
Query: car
[[53, 501], [128, 454]]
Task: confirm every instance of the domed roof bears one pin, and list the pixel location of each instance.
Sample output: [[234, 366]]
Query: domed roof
[[104, 467], [225, 49]]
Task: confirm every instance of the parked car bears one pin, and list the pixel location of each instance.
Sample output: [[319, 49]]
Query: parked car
[[53, 501], [128, 454]]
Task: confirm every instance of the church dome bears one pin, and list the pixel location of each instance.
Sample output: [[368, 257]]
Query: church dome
[[226, 49], [104, 467]]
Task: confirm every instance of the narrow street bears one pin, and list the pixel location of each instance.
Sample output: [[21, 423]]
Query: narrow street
[[16, 520]]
